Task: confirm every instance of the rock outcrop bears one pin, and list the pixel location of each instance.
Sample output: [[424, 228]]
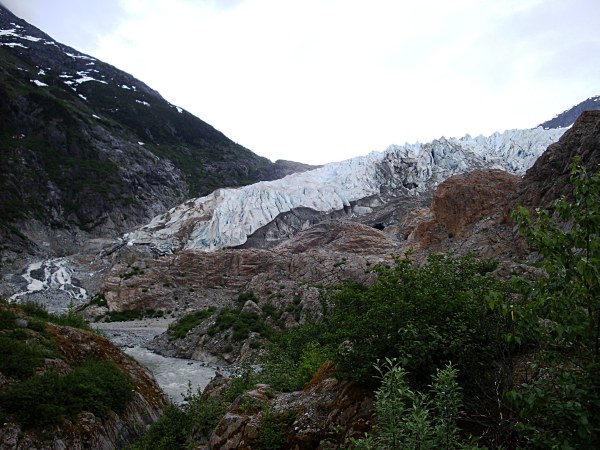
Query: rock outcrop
[[325, 410], [548, 178], [460, 205]]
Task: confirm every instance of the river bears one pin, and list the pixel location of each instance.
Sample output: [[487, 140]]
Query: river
[[54, 284]]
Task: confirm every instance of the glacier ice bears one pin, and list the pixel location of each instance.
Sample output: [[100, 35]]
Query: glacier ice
[[226, 217]]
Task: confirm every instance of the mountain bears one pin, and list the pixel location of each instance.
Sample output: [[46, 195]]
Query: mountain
[[86, 146], [568, 117], [267, 212]]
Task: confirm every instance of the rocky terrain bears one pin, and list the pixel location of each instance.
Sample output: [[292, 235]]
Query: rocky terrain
[[568, 117], [113, 201]]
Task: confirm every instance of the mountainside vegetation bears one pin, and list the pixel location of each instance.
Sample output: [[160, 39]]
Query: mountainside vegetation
[[39, 387]]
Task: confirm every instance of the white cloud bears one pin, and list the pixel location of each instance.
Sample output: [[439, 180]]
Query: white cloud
[[321, 80]]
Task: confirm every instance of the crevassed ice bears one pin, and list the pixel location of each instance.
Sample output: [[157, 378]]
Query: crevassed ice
[[226, 217]]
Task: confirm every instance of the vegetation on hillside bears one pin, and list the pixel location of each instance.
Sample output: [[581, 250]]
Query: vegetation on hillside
[[42, 385]]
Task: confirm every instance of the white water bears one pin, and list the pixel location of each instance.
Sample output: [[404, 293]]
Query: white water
[[175, 376]]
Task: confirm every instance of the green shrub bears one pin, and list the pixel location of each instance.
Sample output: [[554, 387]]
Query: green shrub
[[424, 315], [70, 318], [559, 406], [180, 328], [405, 418], [95, 386], [169, 432], [132, 314], [245, 296], [271, 430], [8, 319], [242, 323], [19, 359]]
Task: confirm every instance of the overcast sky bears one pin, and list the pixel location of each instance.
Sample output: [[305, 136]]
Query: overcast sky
[[323, 80]]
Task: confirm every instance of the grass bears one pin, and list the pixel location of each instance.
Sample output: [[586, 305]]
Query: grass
[[132, 314], [180, 328]]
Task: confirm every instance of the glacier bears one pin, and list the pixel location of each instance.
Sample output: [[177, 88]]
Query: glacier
[[226, 217]]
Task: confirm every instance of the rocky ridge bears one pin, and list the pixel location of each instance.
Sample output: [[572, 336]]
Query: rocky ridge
[[86, 431]]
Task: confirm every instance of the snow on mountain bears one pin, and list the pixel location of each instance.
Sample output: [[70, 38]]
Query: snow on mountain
[[227, 217]]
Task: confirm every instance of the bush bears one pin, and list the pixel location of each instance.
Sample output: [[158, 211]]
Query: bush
[[242, 323], [405, 418], [180, 328], [423, 315], [69, 319], [95, 386], [18, 359], [132, 314], [559, 406]]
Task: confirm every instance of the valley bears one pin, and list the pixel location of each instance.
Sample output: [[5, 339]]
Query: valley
[[292, 306]]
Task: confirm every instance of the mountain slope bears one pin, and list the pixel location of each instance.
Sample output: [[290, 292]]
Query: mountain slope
[[568, 117], [88, 146]]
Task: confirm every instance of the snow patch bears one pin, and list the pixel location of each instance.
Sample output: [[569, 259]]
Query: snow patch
[[12, 44], [141, 102], [79, 56], [38, 83], [51, 274]]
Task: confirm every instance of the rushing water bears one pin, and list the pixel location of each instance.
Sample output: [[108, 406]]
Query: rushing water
[[53, 284], [175, 376]]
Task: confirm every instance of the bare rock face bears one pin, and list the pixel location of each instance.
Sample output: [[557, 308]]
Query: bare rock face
[[467, 213], [464, 200], [327, 409], [548, 178], [339, 236]]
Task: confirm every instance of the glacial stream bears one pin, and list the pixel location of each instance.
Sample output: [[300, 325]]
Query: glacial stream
[[54, 284], [176, 376]]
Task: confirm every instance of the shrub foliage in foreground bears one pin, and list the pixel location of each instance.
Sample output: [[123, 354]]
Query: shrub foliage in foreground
[[424, 315], [95, 386], [558, 406]]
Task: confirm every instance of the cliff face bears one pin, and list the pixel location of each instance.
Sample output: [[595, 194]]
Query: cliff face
[[548, 178]]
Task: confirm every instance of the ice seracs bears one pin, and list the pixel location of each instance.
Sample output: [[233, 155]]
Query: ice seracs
[[227, 217]]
